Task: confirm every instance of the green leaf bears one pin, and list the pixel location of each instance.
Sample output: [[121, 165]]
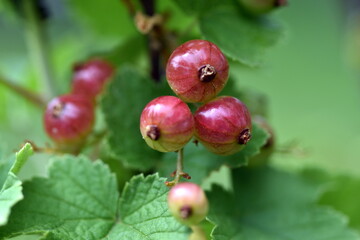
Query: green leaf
[[343, 197], [240, 37], [271, 205], [80, 200], [340, 193], [144, 213], [199, 162], [122, 106], [10, 185]]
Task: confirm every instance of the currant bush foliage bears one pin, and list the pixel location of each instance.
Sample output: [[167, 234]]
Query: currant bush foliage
[[269, 204], [122, 108], [245, 38], [80, 200]]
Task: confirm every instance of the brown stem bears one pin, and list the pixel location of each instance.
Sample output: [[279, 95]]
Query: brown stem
[[48, 150], [23, 92], [154, 42]]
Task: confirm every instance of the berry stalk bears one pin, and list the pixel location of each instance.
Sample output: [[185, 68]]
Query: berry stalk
[[23, 92], [179, 166]]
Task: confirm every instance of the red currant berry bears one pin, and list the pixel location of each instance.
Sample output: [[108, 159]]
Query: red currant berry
[[262, 6], [223, 125], [197, 71], [68, 119], [90, 77], [166, 124], [188, 203]]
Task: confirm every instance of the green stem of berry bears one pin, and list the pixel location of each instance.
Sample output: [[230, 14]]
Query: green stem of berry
[[179, 173], [37, 47], [23, 92], [179, 166]]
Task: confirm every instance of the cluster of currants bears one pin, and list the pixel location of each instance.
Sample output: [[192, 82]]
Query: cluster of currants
[[68, 119], [196, 71]]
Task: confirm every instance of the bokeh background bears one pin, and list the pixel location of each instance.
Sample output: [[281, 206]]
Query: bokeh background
[[311, 79]]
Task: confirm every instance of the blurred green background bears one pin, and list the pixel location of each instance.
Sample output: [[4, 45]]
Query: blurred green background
[[314, 87]]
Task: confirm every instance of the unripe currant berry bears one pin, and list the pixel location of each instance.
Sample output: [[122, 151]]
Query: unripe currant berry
[[91, 76], [223, 125], [262, 6], [197, 71], [166, 124], [68, 120], [188, 203]]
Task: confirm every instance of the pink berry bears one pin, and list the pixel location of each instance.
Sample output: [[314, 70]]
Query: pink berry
[[68, 119], [223, 125], [166, 124], [91, 76], [197, 71], [188, 203]]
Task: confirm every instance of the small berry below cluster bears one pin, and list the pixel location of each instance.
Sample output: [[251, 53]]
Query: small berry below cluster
[[188, 203]]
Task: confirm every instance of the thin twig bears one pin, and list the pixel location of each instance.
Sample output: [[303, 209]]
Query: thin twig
[[154, 42], [178, 173], [23, 92], [179, 166]]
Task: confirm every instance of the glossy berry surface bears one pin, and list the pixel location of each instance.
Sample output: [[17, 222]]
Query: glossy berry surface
[[223, 125], [188, 203], [262, 6], [91, 76], [68, 119], [166, 124], [197, 71]]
